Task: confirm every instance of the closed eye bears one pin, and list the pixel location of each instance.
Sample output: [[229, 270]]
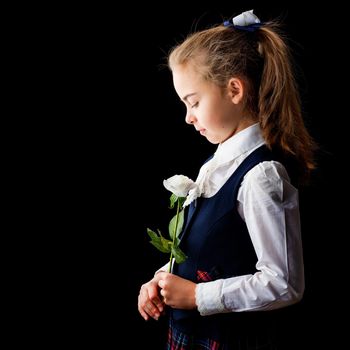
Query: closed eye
[[194, 105]]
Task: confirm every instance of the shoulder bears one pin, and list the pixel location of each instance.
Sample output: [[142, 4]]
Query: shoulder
[[267, 170], [268, 178]]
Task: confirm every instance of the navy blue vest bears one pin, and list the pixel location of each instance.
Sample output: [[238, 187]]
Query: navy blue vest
[[216, 241]]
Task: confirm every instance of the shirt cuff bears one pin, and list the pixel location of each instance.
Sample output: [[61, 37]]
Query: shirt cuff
[[209, 298]]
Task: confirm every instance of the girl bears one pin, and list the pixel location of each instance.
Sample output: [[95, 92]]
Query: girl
[[242, 236]]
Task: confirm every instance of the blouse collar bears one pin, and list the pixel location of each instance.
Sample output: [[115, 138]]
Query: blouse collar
[[238, 144]]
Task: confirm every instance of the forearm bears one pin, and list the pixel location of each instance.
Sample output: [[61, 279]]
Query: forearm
[[245, 293]]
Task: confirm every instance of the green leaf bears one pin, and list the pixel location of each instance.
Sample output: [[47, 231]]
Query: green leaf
[[172, 225], [160, 247], [152, 234], [179, 255], [166, 244], [181, 222], [158, 241], [173, 200]]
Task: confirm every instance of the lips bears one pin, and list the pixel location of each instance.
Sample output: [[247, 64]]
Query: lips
[[201, 131]]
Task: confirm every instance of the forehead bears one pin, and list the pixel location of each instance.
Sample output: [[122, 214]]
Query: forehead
[[186, 80]]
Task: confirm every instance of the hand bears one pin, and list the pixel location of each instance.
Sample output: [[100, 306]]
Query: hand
[[150, 302], [177, 292]]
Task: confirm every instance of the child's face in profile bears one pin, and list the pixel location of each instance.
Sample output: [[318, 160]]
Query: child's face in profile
[[209, 108]]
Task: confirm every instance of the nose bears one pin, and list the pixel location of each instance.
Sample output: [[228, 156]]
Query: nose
[[190, 118]]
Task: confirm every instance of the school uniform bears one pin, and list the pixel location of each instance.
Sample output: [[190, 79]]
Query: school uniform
[[243, 245]]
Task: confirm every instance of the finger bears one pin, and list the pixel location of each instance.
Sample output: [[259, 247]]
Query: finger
[[151, 310], [158, 303], [161, 283], [148, 307], [161, 274], [153, 296], [162, 292], [142, 313]]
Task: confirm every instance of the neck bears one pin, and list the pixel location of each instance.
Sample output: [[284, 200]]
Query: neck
[[243, 124]]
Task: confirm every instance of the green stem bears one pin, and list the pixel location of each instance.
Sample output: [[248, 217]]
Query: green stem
[[174, 234]]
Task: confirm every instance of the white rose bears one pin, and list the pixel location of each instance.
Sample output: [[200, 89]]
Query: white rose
[[180, 185]]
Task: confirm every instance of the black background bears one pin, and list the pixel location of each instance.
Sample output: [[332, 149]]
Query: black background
[[127, 133]]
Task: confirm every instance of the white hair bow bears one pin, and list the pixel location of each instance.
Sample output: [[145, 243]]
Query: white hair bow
[[245, 21]]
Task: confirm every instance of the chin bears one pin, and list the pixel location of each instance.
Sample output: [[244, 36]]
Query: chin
[[213, 141]]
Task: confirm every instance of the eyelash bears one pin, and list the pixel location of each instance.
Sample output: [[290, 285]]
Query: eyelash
[[194, 105]]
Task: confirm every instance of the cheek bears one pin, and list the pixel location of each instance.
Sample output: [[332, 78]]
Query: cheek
[[218, 114], [208, 114], [228, 115]]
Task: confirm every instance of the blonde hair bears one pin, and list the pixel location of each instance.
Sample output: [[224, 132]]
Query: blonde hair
[[263, 61]]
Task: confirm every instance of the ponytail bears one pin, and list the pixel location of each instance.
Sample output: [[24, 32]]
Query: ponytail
[[279, 107]]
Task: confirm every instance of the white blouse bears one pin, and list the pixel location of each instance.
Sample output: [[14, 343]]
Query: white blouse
[[268, 204]]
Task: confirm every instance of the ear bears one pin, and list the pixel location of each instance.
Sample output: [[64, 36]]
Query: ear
[[235, 88]]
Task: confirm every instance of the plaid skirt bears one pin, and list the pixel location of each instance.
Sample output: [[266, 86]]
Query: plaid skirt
[[178, 340]]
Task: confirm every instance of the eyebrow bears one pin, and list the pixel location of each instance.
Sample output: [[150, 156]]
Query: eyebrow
[[188, 95]]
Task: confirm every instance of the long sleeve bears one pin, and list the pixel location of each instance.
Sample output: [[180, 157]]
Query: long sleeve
[[268, 203]]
